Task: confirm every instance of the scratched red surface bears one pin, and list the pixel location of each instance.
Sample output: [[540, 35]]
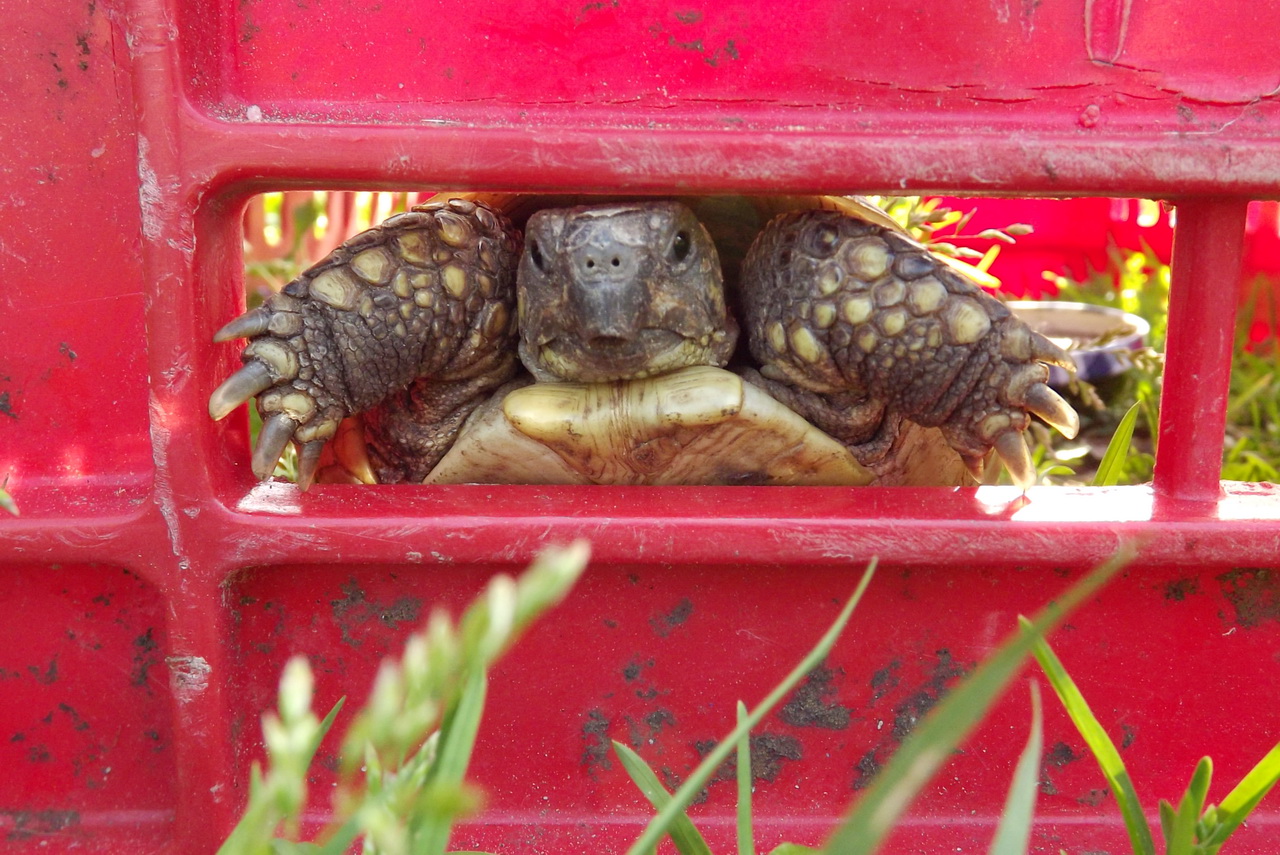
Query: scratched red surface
[[986, 62], [152, 590]]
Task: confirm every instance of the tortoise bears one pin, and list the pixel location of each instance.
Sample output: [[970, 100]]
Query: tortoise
[[603, 346]]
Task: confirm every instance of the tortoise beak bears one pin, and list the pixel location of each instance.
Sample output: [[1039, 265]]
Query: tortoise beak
[[607, 288]]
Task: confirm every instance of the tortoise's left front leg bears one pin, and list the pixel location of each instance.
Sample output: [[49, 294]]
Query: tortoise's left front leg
[[860, 326], [424, 302]]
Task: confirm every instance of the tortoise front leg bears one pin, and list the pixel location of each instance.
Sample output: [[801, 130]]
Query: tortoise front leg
[[426, 296], [868, 327]]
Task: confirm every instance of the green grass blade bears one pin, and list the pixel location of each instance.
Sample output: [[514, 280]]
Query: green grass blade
[[936, 737], [794, 849], [262, 819], [252, 834], [1168, 817], [7, 503], [746, 837], [458, 730], [1241, 801], [1103, 749], [1242, 400], [1198, 789], [340, 841], [327, 723], [1112, 465], [1020, 805], [698, 779], [457, 739], [684, 835], [1183, 838]]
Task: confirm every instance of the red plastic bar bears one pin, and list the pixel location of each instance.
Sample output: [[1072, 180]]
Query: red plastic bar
[[1207, 248], [206, 798], [172, 559]]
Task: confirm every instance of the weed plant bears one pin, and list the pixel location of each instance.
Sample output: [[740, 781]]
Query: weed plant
[[403, 758], [1136, 281]]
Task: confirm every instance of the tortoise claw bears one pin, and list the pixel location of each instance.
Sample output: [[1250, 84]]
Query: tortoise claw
[[1012, 449], [1048, 405], [248, 325], [238, 388], [1044, 350], [275, 435], [309, 463]]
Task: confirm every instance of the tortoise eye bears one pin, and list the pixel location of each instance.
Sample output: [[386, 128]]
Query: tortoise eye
[[680, 245], [535, 255]]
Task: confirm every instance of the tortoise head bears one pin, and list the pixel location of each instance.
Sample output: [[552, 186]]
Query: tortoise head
[[619, 292]]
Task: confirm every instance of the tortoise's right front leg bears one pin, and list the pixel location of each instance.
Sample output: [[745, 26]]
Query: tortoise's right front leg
[[427, 295], [858, 327]]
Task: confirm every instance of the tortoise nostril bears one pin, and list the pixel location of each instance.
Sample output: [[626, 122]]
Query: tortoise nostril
[[606, 259]]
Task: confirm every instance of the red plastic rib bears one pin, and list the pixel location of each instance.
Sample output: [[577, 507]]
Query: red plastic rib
[[1207, 248]]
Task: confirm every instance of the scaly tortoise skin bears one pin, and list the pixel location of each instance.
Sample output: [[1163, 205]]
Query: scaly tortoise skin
[[850, 323]]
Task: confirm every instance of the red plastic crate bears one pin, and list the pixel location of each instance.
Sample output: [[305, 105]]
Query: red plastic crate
[[153, 590]]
